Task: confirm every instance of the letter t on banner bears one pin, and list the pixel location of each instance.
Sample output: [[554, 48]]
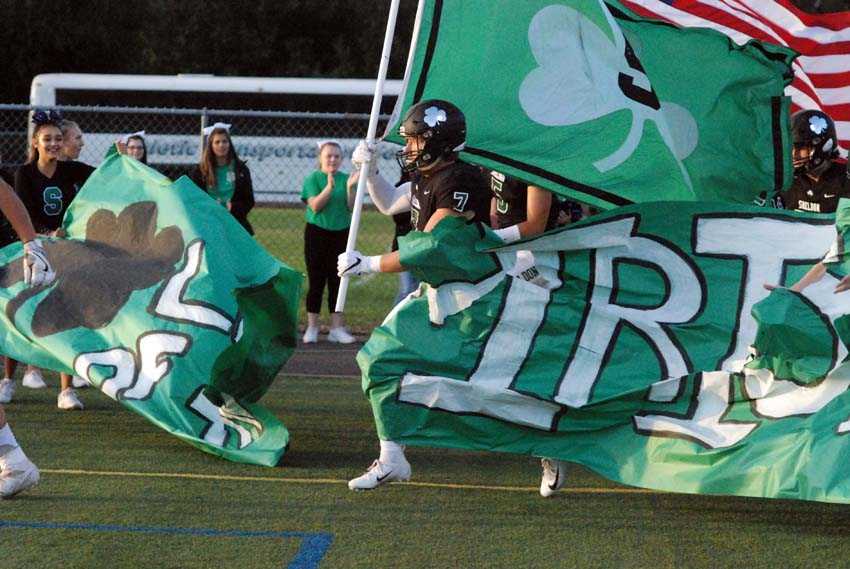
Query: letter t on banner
[[370, 140]]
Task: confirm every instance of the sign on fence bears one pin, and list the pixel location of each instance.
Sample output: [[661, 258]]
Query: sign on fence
[[278, 164]]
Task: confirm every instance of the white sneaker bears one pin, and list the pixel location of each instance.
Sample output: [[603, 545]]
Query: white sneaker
[[78, 382], [17, 477], [33, 379], [68, 400], [554, 476], [311, 335], [381, 473], [340, 336], [7, 390]]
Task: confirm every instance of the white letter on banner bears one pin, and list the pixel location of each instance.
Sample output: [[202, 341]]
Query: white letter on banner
[[704, 422], [154, 366], [172, 305], [603, 318], [488, 390], [121, 360], [765, 245], [215, 433]]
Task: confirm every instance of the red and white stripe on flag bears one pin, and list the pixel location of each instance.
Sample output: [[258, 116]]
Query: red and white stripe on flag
[[821, 73]]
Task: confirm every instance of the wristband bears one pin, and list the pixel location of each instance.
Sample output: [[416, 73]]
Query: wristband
[[372, 264], [509, 234]]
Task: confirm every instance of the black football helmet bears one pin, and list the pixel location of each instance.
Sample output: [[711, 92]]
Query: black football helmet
[[443, 127], [815, 130]]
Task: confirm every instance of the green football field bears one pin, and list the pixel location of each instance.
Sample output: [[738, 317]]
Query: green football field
[[117, 492]]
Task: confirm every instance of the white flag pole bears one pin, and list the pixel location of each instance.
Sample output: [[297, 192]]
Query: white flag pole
[[370, 140]]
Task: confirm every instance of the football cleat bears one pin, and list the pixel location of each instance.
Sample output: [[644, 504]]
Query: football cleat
[[17, 477], [7, 390], [33, 379], [381, 473], [340, 336], [554, 476], [68, 400], [311, 335]]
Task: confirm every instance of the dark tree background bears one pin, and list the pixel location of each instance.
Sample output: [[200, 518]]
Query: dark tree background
[[269, 38]]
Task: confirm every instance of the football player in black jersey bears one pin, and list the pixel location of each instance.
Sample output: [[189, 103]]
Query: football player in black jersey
[[819, 181], [440, 186], [518, 211], [17, 472], [46, 185]]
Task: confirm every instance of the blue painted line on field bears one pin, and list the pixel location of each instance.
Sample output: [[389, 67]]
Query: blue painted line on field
[[309, 555]]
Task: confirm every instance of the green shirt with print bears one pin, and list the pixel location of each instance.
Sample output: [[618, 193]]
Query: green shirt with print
[[225, 183], [335, 215]]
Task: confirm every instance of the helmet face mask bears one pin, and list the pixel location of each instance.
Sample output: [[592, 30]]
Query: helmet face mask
[[815, 142], [433, 129]]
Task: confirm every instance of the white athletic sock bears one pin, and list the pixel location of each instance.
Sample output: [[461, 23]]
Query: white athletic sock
[[8, 446], [391, 452]]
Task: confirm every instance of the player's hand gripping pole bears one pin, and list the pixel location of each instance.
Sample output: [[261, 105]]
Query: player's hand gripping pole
[[370, 140]]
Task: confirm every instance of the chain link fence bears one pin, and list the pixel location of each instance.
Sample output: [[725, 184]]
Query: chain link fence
[[281, 150]]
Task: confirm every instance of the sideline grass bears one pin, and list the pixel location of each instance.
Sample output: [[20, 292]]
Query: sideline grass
[[281, 231], [442, 520]]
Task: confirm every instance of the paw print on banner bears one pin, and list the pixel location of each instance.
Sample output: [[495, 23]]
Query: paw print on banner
[[582, 76], [96, 276], [434, 115]]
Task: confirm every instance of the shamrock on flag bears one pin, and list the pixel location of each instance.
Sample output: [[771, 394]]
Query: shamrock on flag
[[592, 102]]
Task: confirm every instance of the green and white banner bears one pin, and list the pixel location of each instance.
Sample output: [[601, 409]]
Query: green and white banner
[[166, 304], [623, 345], [595, 103]]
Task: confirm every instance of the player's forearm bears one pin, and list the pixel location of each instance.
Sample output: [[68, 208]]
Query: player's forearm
[[815, 274], [387, 198], [390, 263], [16, 213]]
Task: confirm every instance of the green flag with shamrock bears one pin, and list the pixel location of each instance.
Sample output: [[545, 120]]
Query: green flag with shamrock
[[590, 101], [641, 343], [164, 303]]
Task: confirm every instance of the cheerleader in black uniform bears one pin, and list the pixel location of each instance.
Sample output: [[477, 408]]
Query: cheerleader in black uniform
[[46, 185]]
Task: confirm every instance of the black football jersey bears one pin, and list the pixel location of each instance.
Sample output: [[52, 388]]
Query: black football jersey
[[459, 187], [512, 201], [819, 197], [47, 199]]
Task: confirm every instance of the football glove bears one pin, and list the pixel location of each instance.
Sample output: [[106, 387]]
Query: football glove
[[37, 269], [354, 263], [362, 153]]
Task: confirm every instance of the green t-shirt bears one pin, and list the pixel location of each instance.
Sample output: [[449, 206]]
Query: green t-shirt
[[225, 183], [335, 215]]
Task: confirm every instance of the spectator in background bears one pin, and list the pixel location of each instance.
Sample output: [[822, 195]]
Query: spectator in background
[[224, 176], [72, 140], [46, 185], [329, 195], [136, 147]]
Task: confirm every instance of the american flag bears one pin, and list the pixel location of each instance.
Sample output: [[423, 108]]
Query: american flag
[[821, 73]]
